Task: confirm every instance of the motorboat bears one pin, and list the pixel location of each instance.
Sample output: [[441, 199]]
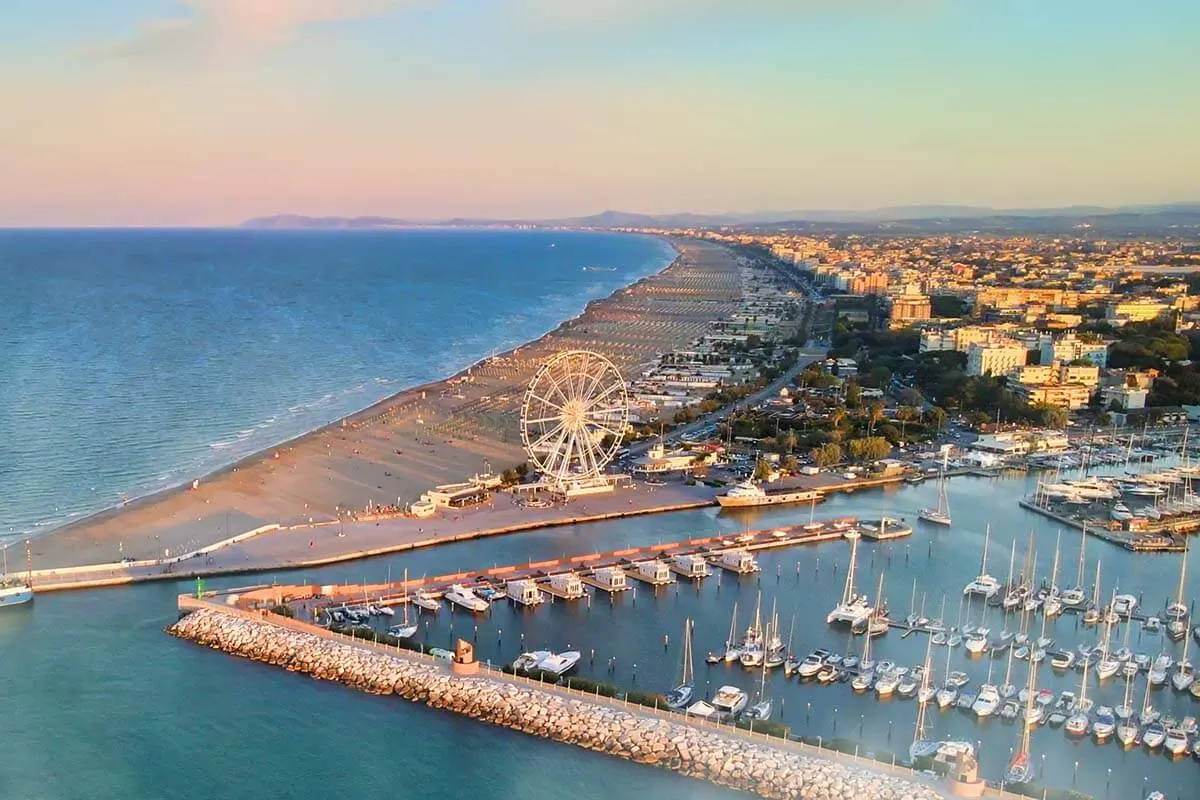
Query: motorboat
[[701, 709], [1034, 715], [759, 712], [1175, 742], [810, 666], [1105, 724], [1154, 735], [1077, 724], [965, 701], [1183, 676], [1120, 512], [559, 663], [464, 597], [527, 662], [957, 679], [946, 696], [426, 601], [976, 643], [863, 680], [1151, 625], [1062, 660], [729, 701], [907, 686], [829, 673], [1124, 605], [946, 752], [987, 701], [939, 638], [1010, 710], [885, 684], [954, 640]]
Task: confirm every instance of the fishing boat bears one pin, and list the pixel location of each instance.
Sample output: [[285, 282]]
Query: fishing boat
[[941, 514], [681, 695], [464, 597]]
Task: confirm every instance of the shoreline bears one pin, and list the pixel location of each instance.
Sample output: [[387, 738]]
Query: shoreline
[[412, 406], [368, 413]]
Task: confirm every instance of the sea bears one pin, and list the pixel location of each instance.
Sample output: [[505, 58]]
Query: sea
[[136, 360], [98, 702]]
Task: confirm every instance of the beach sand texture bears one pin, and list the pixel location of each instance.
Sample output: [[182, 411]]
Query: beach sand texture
[[392, 452]]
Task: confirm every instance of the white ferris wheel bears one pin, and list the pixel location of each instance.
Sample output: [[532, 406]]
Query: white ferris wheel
[[575, 413]]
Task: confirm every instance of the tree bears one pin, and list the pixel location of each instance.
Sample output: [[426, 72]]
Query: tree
[[870, 448], [874, 415], [937, 415], [790, 440], [1050, 416], [791, 464], [853, 395], [826, 455], [762, 470]]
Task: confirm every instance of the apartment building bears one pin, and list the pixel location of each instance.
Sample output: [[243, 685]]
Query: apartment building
[[995, 359]]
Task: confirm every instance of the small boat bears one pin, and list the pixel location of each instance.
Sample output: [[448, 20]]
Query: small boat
[[829, 673], [1152, 625], [966, 701], [957, 679], [1127, 733], [1020, 770], [1176, 741], [987, 702], [907, 686], [885, 684], [426, 601], [701, 709], [1063, 660], [946, 696], [1077, 724], [1105, 724], [1154, 735], [1124, 605], [976, 643], [1056, 718], [810, 666], [1010, 710]]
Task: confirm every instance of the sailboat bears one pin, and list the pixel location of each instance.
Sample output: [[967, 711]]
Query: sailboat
[[1177, 612], [13, 591], [732, 651], [1053, 604], [866, 669], [925, 748], [407, 628], [761, 710], [853, 608], [1075, 597], [941, 514], [1184, 675], [984, 584], [1107, 666], [1093, 614], [681, 695], [752, 647], [1078, 723], [1020, 768]]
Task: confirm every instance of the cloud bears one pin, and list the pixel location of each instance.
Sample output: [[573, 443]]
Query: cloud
[[210, 28]]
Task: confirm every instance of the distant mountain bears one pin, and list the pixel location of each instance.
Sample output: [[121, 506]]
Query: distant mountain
[[911, 217]]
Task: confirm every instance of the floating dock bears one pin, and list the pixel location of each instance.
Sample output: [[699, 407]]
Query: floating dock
[[1163, 541]]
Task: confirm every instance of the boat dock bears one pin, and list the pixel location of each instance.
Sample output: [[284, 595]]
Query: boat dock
[[566, 578], [1164, 540]]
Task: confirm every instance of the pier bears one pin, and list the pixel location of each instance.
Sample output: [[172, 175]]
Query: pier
[[1135, 541]]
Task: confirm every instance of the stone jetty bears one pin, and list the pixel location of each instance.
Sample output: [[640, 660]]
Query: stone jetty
[[724, 759]]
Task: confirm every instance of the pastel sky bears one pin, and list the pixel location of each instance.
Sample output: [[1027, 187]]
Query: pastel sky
[[205, 112]]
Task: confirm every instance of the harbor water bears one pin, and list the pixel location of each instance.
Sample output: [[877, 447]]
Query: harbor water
[[146, 701]]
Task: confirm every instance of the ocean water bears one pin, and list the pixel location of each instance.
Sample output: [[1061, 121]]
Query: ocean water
[[131, 361]]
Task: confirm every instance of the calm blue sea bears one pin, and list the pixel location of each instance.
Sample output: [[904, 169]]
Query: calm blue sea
[[131, 361]]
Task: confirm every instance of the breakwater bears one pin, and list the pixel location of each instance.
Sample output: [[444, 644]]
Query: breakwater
[[726, 759]]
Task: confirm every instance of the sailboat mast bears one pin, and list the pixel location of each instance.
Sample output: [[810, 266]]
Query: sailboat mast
[[987, 535], [848, 592], [1082, 545]]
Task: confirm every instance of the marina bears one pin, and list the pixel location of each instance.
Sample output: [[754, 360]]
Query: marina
[[820, 700]]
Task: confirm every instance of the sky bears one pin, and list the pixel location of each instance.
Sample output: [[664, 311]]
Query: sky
[[207, 112]]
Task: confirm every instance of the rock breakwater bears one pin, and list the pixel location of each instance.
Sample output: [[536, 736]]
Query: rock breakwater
[[728, 760]]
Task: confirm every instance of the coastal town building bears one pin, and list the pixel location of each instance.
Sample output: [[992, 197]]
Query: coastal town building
[[1071, 348], [1071, 396], [995, 359], [1124, 312], [1123, 398], [907, 309]]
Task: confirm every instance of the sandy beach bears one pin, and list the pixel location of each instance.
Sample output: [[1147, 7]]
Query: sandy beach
[[392, 452]]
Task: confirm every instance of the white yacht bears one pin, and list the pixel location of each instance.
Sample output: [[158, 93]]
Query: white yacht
[[1120, 512], [559, 663], [749, 494], [463, 597], [729, 701], [987, 701]]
